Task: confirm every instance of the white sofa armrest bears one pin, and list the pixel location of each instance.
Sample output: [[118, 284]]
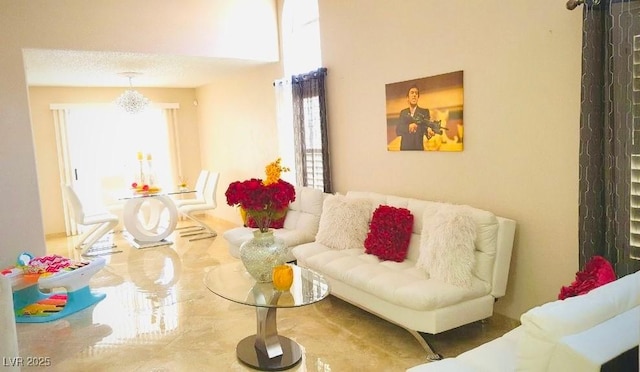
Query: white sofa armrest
[[548, 326], [589, 350], [507, 228], [575, 314]]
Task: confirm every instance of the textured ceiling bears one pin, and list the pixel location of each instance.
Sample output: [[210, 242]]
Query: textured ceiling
[[104, 69]]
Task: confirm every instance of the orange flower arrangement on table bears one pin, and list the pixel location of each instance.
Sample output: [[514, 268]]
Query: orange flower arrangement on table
[[144, 188], [264, 201]]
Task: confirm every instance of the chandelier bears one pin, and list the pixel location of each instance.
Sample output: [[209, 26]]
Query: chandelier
[[131, 100]]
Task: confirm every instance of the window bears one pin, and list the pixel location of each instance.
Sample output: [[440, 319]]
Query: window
[[310, 129], [99, 144], [608, 182], [635, 153], [301, 102], [301, 36]]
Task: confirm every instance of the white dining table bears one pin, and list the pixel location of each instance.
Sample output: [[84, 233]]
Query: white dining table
[[150, 217]]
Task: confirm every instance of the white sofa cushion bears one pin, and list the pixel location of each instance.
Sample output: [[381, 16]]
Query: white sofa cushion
[[498, 355], [400, 283], [304, 212], [344, 222]]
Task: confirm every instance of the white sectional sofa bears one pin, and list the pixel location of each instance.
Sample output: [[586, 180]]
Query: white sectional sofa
[[598, 331], [300, 224], [404, 293]]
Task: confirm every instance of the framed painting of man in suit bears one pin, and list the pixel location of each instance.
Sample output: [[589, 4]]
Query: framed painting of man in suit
[[426, 114]]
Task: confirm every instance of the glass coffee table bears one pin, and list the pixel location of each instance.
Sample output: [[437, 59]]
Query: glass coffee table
[[266, 350]]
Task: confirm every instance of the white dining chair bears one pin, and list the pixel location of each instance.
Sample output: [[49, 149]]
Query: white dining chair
[[112, 186], [192, 211], [197, 199], [99, 224], [201, 182]]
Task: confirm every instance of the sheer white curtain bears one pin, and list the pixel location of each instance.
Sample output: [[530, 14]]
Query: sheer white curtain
[[98, 145], [286, 138], [301, 53]]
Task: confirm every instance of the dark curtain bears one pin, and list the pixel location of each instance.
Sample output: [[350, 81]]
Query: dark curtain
[[606, 124], [310, 130]]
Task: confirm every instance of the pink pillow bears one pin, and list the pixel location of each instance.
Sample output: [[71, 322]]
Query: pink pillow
[[389, 233], [598, 271]]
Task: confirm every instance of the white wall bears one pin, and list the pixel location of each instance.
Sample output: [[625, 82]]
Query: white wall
[[230, 28], [238, 132]]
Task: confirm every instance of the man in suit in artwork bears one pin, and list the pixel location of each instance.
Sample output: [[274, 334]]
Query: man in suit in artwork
[[412, 123]]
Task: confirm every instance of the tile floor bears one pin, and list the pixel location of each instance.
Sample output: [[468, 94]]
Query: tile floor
[[158, 316]]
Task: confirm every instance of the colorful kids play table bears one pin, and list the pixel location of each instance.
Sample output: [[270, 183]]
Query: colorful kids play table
[[52, 287]]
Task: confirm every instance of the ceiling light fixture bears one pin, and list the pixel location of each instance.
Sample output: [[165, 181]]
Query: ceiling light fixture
[[131, 100]]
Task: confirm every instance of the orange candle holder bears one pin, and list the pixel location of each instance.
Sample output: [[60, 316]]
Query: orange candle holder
[[282, 277]]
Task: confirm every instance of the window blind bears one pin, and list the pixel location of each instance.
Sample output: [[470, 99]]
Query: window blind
[[635, 154]]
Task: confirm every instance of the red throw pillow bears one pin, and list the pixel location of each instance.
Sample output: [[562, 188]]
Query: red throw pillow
[[389, 233], [598, 271]]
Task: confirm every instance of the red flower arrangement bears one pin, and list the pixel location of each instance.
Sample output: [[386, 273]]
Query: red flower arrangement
[[263, 201], [598, 271], [389, 233]]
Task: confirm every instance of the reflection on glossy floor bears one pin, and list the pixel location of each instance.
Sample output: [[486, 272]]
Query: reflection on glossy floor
[[158, 316]]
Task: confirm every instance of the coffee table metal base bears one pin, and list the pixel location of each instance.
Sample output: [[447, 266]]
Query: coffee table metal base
[[250, 355]]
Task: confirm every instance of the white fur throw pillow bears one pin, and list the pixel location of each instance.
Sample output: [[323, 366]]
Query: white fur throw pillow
[[344, 222], [447, 245]]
